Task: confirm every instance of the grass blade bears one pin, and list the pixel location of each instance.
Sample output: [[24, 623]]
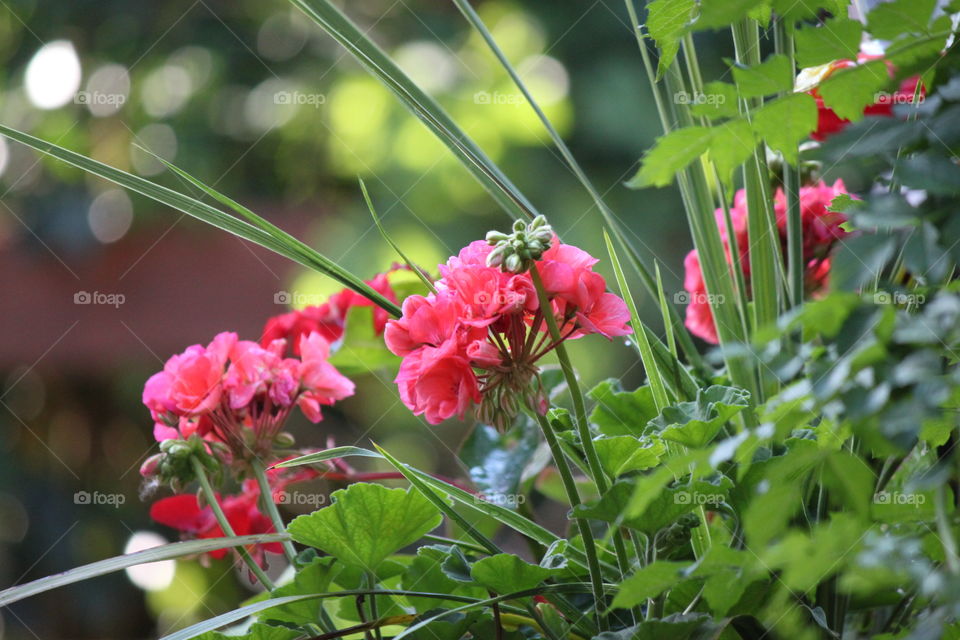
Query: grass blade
[[376, 219], [276, 239], [639, 334], [118, 563]]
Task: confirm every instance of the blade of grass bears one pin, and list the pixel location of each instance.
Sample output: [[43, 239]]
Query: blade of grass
[[378, 63], [376, 219], [660, 397], [276, 240], [665, 312], [119, 563]]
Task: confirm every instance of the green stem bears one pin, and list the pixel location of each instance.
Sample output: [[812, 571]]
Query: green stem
[[946, 533], [573, 496], [266, 497], [579, 408], [783, 43], [211, 498]]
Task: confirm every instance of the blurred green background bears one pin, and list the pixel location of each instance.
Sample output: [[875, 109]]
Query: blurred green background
[[251, 98]]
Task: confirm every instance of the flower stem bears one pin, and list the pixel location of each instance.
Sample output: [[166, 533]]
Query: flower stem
[[266, 496], [580, 412], [573, 495], [225, 524]]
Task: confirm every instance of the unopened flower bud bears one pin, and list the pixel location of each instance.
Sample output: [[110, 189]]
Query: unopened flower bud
[[513, 263], [493, 237], [151, 465], [518, 226], [284, 439]]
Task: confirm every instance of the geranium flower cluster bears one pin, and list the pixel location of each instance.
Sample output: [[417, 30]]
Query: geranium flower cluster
[[240, 393], [828, 122], [477, 339], [821, 228], [225, 405]]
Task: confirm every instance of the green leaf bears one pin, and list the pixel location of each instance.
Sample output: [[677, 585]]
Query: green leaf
[[676, 626], [496, 461], [718, 100], [717, 14], [837, 38], [670, 154], [802, 9], [773, 75], [356, 41], [258, 631], [785, 122], [890, 19], [366, 523], [696, 423], [849, 91], [624, 454], [931, 172], [506, 573], [648, 582], [860, 260], [313, 578], [732, 144], [362, 350], [619, 412], [118, 563], [667, 22]]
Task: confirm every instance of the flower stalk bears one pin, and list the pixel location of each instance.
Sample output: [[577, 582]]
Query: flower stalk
[[211, 498]]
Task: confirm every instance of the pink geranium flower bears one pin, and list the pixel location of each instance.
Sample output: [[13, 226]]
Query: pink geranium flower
[[478, 338]]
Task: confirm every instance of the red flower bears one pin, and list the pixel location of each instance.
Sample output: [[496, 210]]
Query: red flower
[[828, 122], [820, 227]]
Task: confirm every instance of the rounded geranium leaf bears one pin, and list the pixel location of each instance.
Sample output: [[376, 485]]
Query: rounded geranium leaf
[[366, 523]]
